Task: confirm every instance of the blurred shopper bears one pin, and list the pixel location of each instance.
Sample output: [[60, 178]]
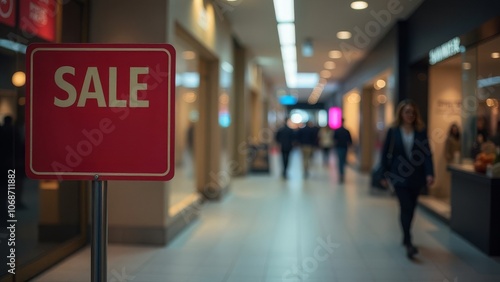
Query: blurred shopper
[[452, 146], [307, 137], [325, 140], [407, 158], [478, 143], [342, 140], [481, 127], [286, 138], [496, 138], [12, 158]]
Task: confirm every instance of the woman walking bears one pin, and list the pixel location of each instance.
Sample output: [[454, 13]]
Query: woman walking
[[407, 159]]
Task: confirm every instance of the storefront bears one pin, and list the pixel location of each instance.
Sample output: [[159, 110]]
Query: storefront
[[51, 215], [462, 91], [450, 69]]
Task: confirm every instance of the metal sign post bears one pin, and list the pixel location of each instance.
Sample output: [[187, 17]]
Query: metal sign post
[[99, 230]]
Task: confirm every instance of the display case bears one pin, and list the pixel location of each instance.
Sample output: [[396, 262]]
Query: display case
[[475, 209]]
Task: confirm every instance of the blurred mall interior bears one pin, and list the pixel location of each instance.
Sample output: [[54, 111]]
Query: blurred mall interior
[[242, 68]]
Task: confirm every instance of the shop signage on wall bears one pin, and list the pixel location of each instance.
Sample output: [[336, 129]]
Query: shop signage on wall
[[38, 17], [449, 107], [8, 12], [444, 51], [100, 109]]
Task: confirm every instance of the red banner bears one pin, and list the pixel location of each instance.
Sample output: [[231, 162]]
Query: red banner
[[8, 12], [38, 17]]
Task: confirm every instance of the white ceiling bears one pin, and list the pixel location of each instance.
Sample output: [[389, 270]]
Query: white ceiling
[[254, 25]]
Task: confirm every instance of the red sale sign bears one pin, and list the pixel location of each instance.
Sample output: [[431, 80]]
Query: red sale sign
[[100, 109], [38, 17]]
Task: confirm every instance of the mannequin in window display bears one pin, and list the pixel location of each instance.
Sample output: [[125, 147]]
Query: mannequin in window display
[[452, 145], [481, 127], [481, 136], [476, 146]]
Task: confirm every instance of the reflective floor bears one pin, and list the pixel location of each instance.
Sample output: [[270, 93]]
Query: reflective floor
[[269, 229]]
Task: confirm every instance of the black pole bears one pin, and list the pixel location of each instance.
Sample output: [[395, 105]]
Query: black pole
[[99, 230]]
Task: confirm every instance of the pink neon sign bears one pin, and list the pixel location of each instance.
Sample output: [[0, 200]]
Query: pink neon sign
[[334, 117]]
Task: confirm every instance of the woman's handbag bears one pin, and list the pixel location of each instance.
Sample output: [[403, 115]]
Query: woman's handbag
[[378, 174]]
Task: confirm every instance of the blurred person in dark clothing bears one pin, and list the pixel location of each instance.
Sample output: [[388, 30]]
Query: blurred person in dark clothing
[[407, 161], [7, 133], [307, 138], [342, 140], [11, 158], [285, 136], [481, 127], [325, 141]]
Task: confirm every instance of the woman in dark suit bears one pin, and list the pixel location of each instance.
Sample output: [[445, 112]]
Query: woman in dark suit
[[407, 159]]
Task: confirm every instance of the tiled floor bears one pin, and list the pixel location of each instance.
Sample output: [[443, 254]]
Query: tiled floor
[[268, 229]]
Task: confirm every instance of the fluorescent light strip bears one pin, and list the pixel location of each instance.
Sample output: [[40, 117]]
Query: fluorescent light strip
[[285, 16], [286, 33], [289, 53], [284, 10]]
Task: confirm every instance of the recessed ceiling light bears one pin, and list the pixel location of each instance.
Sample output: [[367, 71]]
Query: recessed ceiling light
[[335, 54], [379, 84], [325, 74], [189, 97], [224, 99], [19, 78], [495, 55], [359, 5], [329, 65], [344, 35], [489, 102], [382, 99]]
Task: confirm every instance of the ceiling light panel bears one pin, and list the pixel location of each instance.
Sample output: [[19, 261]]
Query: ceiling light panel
[[359, 5], [285, 12], [329, 65], [289, 53], [344, 35], [335, 54], [286, 33]]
